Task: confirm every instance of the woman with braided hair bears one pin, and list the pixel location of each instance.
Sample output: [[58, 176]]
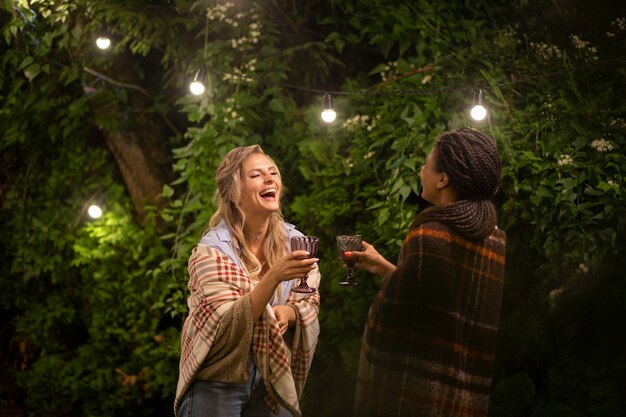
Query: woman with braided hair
[[429, 343]]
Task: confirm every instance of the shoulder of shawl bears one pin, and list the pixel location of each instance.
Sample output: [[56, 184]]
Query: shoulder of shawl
[[206, 250], [204, 256], [428, 237], [430, 228]]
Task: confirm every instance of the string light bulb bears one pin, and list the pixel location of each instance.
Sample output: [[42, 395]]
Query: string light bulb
[[478, 112], [328, 114], [196, 87], [94, 211], [103, 42]]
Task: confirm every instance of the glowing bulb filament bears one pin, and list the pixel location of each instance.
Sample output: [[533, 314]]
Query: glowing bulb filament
[[196, 88], [478, 112], [103, 42], [94, 211], [328, 115]]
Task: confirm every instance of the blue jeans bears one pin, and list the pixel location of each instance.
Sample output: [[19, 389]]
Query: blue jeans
[[223, 399]]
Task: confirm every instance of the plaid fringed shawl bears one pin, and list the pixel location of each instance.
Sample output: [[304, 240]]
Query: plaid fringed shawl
[[216, 283], [430, 338]]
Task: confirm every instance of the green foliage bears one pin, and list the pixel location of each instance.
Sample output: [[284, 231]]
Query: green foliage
[[95, 307]]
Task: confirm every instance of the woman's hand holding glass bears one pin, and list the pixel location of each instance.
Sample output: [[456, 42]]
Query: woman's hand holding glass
[[370, 260], [345, 244], [291, 266]]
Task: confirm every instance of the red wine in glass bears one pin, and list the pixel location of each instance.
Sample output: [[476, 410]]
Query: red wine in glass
[[309, 244], [349, 243]]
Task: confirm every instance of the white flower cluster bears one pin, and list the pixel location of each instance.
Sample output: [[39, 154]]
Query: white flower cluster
[[236, 43], [554, 296], [583, 268], [219, 11], [389, 69], [249, 66], [360, 121], [602, 145], [240, 74], [584, 45], [578, 43], [619, 24], [549, 109], [237, 75], [613, 184], [565, 160], [230, 113], [545, 50], [254, 32]]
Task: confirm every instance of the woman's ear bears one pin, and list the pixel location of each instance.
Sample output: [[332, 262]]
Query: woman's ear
[[442, 180]]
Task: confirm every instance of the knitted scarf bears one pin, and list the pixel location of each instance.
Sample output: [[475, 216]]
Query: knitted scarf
[[474, 219]]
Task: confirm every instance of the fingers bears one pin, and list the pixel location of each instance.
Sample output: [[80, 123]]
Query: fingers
[[282, 318], [359, 254], [299, 254], [300, 258], [294, 265], [281, 321], [282, 326]]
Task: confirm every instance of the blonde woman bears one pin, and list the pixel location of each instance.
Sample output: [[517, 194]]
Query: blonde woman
[[248, 342]]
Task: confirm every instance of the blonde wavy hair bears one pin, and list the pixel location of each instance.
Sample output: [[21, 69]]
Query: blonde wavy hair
[[229, 176]]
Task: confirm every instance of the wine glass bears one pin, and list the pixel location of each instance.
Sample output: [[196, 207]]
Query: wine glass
[[309, 244], [349, 243]]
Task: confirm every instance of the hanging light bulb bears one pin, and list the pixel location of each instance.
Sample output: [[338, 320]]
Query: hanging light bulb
[[94, 211], [478, 112], [103, 42], [328, 115], [196, 87]]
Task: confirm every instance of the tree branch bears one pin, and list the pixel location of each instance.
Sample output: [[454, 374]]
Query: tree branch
[[117, 83]]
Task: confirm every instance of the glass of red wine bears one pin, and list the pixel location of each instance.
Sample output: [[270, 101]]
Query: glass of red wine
[[349, 243], [309, 244]]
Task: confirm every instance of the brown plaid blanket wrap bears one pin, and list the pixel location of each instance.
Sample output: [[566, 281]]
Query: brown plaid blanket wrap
[[215, 284], [429, 343]]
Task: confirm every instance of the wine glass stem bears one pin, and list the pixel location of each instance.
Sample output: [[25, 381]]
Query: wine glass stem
[[303, 281]]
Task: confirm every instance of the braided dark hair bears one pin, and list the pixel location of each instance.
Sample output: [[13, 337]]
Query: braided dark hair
[[471, 160]]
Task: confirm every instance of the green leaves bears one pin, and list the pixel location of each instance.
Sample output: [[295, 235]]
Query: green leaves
[[100, 302]]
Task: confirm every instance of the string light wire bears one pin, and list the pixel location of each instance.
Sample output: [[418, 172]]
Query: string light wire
[[380, 90]]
